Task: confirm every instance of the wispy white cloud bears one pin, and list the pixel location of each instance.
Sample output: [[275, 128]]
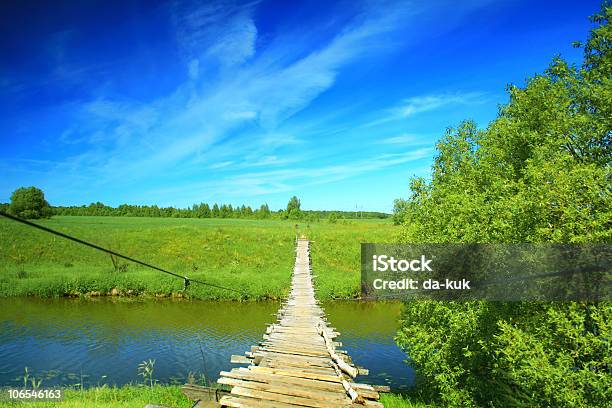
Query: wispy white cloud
[[403, 139], [220, 165], [426, 103], [416, 105]]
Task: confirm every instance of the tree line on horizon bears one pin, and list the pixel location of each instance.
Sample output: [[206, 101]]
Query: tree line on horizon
[[30, 203]]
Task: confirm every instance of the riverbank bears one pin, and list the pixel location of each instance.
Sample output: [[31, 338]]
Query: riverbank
[[137, 396], [252, 257]]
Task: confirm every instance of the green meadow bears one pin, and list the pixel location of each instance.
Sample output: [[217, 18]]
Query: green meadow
[[252, 257]]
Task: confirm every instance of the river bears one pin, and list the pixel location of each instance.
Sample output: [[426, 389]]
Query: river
[[102, 341]]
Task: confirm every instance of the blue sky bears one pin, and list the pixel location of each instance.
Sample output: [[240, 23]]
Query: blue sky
[[175, 103]]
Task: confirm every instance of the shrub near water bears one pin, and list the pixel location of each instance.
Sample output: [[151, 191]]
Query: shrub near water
[[539, 173]]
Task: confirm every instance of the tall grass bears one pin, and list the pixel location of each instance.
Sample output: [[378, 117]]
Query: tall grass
[[400, 401], [255, 257]]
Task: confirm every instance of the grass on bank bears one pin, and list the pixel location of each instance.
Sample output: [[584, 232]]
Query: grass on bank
[[137, 396], [129, 396], [390, 400], [254, 257]]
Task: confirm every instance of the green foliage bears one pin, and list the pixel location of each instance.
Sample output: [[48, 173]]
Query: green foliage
[[293, 204], [539, 173], [293, 211], [399, 210], [264, 212], [29, 203], [295, 214]]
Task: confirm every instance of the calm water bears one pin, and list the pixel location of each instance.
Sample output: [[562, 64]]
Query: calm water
[[66, 341]]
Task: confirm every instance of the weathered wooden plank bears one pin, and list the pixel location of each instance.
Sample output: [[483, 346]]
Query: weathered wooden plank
[[271, 396], [293, 390], [306, 362], [240, 360], [303, 368], [294, 352], [246, 402], [262, 377], [291, 372]]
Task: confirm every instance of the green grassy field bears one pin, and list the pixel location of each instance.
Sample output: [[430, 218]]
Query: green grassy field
[[254, 257]]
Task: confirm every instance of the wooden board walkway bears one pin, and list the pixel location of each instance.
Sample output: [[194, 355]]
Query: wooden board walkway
[[297, 363]]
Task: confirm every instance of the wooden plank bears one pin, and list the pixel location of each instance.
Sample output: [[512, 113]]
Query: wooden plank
[[286, 389], [286, 345], [246, 402], [294, 352], [287, 399], [300, 373], [369, 404], [382, 388], [240, 360], [198, 392], [272, 363], [293, 357], [262, 377], [277, 360]]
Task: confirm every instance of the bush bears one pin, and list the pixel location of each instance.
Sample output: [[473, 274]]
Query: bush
[[29, 203], [539, 173]]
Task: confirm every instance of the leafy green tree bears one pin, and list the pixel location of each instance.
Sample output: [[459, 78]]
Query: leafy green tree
[[399, 209], [264, 211], [539, 173], [204, 211], [293, 209], [215, 212], [293, 204], [29, 202], [201, 210], [224, 211]]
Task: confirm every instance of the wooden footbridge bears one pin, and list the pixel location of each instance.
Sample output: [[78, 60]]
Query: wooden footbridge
[[297, 363]]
